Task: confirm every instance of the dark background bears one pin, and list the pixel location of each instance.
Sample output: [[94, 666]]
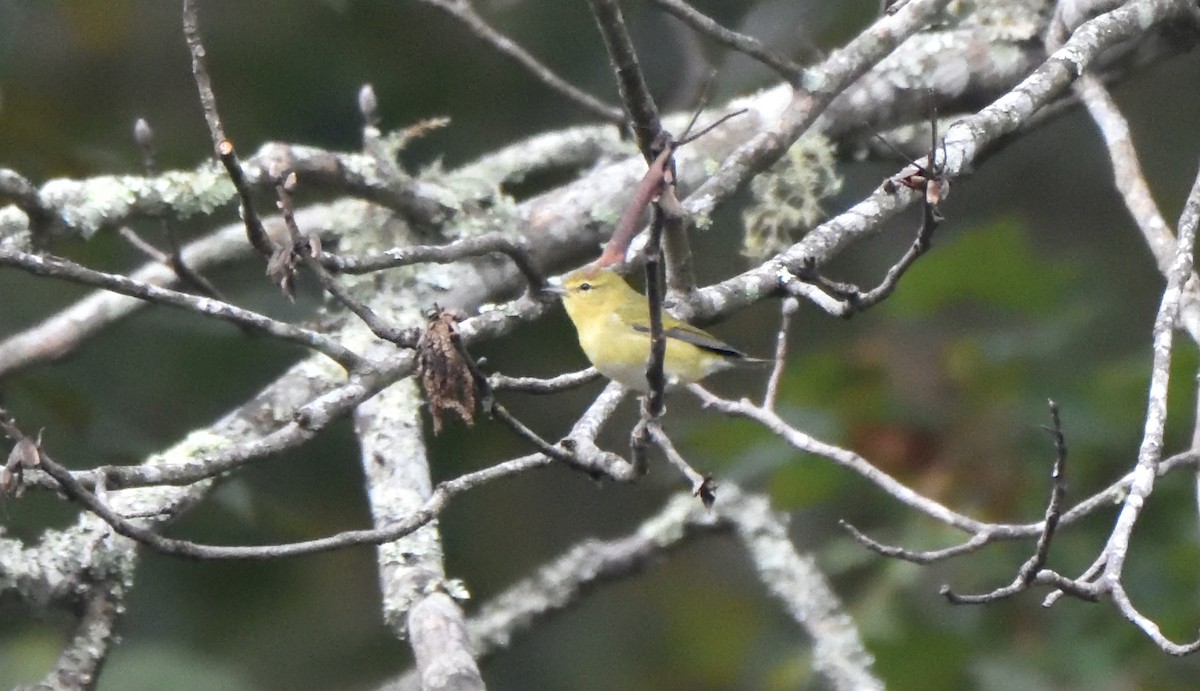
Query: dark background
[[1039, 287]]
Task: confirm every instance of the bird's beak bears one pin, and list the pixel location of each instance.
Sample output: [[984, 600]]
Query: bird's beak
[[554, 286]]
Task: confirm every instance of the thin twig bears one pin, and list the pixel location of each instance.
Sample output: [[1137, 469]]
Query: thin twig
[[974, 544], [562, 382], [929, 179], [586, 458], [788, 308], [1101, 500], [143, 135], [463, 11], [1089, 575], [1128, 177], [221, 145], [1058, 495], [142, 245], [702, 485], [57, 267], [844, 458], [1031, 571], [742, 43], [578, 455], [848, 299], [307, 251], [208, 100], [654, 407], [192, 550]]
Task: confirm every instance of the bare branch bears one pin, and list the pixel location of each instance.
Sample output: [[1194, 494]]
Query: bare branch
[[580, 452], [562, 382], [63, 333], [981, 533], [791, 577], [416, 601], [413, 521], [653, 404], [817, 89], [635, 94], [1131, 182], [796, 581], [974, 544], [966, 140], [703, 486], [81, 660], [1150, 452], [44, 265], [208, 100], [16, 188], [1128, 177], [848, 299], [515, 247], [843, 457]]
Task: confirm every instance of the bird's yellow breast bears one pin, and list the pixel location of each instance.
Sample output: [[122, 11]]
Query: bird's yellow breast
[[612, 322], [621, 354]]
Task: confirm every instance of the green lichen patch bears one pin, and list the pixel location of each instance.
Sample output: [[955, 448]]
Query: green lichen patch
[[788, 196]]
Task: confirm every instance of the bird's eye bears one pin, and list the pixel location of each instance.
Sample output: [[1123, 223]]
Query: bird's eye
[[585, 286]]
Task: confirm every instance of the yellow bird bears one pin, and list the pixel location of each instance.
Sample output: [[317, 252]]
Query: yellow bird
[[613, 322]]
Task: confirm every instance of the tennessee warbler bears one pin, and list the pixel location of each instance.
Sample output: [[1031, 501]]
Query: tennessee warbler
[[613, 322]]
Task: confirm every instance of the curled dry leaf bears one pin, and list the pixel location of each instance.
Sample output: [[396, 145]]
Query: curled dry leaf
[[281, 269], [936, 190], [931, 182], [445, 374], [24, 454]]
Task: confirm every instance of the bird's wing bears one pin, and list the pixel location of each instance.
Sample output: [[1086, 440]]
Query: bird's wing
[[690, 334]]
